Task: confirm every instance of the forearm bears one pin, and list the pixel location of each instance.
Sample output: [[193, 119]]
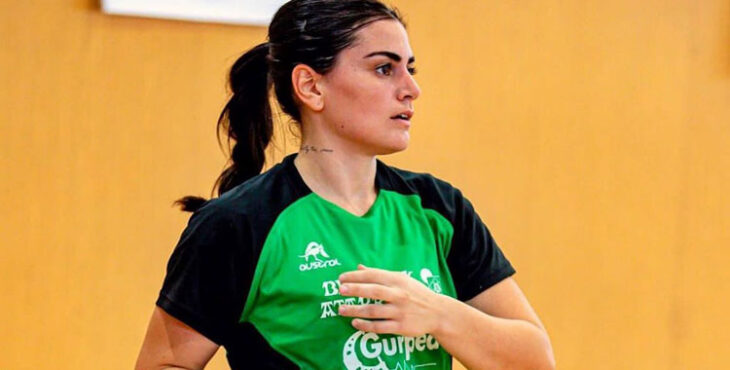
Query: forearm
[[481, 341]]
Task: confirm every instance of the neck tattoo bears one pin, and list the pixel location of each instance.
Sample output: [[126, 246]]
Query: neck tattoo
[[314, 149]]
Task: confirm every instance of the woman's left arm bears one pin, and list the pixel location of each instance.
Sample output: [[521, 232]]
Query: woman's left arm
[[497, 329]]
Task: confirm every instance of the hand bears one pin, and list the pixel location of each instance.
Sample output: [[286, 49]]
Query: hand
[[409, 308]]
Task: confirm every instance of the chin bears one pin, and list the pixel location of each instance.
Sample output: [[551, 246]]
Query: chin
[[393, 147], [382, 144]]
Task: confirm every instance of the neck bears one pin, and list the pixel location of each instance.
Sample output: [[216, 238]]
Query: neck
[[332, 173], [342, 176]]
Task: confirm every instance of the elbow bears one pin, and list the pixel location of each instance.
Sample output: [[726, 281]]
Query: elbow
[[164, 366], [544, 360], [537, 354], [547, 358], [549, 362], [153, 364]]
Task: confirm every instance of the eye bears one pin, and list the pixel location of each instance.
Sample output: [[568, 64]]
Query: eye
[[412, 70], [385, 69]]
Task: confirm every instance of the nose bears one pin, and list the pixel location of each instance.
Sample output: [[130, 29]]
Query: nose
[[409, 88]]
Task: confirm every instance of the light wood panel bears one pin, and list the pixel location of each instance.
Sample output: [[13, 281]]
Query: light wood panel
[[591, 136]]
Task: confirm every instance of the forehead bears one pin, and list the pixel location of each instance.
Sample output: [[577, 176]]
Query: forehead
[[383, 35]]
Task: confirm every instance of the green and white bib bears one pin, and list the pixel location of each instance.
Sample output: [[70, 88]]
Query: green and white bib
[[256, 269]]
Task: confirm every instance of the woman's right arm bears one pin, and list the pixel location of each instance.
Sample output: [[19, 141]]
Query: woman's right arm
[[170, 344]]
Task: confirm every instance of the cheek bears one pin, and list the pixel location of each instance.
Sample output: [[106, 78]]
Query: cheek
[[357, 103], [358, 90]]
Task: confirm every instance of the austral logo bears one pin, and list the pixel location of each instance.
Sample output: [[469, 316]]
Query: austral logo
[[314, 251]]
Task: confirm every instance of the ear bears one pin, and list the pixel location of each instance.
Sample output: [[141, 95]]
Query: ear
[[305, 80]]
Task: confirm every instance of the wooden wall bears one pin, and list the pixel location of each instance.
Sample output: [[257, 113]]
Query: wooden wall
[[592, 136]]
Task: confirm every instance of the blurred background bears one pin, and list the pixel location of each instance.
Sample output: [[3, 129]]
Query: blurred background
[[593, 138]]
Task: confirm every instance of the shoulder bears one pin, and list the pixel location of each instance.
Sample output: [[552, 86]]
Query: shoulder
[[434, 192], [416, 182], [263, 196]]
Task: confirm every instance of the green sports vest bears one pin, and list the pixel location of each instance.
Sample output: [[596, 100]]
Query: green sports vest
[[256, 270]]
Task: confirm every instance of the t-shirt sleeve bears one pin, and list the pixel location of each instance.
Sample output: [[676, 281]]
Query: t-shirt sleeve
[[475, 260], [206, 284]]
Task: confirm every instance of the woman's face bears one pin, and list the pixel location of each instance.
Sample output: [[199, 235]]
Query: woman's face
[[370, 84]]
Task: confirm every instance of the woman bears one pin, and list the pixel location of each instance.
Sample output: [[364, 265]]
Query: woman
[[332, 259]]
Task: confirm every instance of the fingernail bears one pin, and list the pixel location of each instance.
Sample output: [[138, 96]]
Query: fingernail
[[344, 288]]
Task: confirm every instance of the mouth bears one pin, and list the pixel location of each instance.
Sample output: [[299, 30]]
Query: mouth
[[404, 116]]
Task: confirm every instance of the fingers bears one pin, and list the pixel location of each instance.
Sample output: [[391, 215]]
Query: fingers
[[373, 291], [380, 327], [370, 275], [369, 311]]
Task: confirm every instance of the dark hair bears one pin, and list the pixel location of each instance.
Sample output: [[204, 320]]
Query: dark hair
[[310, 32]]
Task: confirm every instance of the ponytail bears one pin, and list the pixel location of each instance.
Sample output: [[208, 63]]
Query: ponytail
[[246, 118], [309, 32]]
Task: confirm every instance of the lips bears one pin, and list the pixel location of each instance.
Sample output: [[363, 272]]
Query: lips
[[405, 115]]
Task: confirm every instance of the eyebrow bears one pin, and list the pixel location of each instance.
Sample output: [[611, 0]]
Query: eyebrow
[[390, 55]]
